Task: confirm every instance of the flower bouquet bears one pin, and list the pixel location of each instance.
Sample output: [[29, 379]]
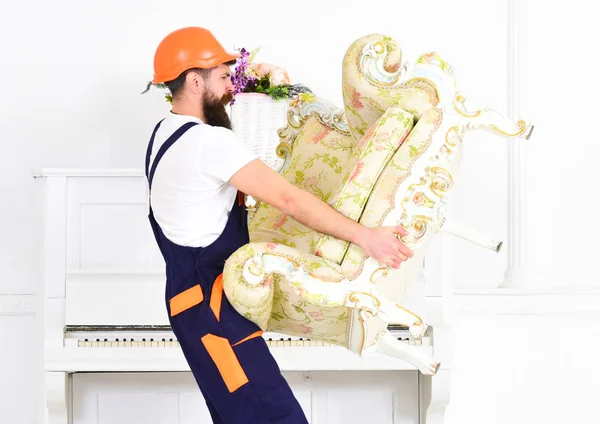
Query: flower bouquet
[[263, 78]]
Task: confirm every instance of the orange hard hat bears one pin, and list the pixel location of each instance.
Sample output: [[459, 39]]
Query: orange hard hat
[[186, 48]]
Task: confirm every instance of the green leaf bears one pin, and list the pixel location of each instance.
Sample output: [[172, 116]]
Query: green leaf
[[253, 54], [299, 309], [277, 316]]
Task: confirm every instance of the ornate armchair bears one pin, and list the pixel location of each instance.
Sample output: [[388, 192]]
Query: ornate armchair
[[390, 156]]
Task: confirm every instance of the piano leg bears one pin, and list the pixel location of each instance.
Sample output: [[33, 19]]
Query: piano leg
[[57, 394], [435, 396]]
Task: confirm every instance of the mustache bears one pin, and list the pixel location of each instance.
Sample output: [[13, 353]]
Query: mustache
[[227, 98]]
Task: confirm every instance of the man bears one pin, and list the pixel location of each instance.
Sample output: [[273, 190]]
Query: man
[[197, 168]]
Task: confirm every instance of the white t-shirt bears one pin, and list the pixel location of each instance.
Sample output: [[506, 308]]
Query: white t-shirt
[[191, 197]]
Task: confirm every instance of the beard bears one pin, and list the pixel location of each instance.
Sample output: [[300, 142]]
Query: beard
[[214, 110]]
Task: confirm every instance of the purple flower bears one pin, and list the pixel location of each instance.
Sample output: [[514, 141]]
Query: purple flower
[[239, 78]]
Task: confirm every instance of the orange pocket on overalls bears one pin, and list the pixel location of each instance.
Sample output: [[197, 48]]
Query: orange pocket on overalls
[[216, 297], [186, 299], [227, 363]]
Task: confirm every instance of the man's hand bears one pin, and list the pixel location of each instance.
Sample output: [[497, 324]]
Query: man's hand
[[384, 245], [261, 182]]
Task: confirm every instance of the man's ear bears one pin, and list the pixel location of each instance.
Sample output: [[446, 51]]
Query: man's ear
[[195, 82]]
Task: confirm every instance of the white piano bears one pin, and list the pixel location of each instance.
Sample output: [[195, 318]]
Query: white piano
[[110, 356]]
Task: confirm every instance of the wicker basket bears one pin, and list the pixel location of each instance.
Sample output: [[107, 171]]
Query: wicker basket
[[256, 119]]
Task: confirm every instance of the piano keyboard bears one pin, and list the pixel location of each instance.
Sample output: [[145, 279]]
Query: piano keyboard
[[155, 338], [172, 342], [175, 343]]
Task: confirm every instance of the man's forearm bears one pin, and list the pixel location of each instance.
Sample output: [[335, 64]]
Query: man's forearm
[[311, 211]]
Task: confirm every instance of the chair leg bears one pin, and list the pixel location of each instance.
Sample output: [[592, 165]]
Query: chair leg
[[389, 345], [491, 120], [396, 314], [472, 235]]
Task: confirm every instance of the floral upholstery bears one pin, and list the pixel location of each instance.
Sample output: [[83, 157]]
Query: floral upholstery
[[320, 152], [362, 171], [366, 98], [289, 308], [382, 199]]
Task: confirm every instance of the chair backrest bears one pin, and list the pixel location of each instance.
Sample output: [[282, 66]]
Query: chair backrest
[[362, 159]]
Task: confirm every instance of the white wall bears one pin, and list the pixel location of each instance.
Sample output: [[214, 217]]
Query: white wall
[[529, 358], [73, 71], [560, 93]]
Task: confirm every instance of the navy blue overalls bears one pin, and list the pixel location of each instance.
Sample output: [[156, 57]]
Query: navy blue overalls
[[231, 362]]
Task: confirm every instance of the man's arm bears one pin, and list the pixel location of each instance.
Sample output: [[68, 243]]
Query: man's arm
[[261, 182]]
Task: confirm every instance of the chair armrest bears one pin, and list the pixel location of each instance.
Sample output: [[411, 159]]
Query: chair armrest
[[250, 274]]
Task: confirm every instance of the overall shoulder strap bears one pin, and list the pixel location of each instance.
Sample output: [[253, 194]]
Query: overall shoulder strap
[[150, 145], [163, 149]]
